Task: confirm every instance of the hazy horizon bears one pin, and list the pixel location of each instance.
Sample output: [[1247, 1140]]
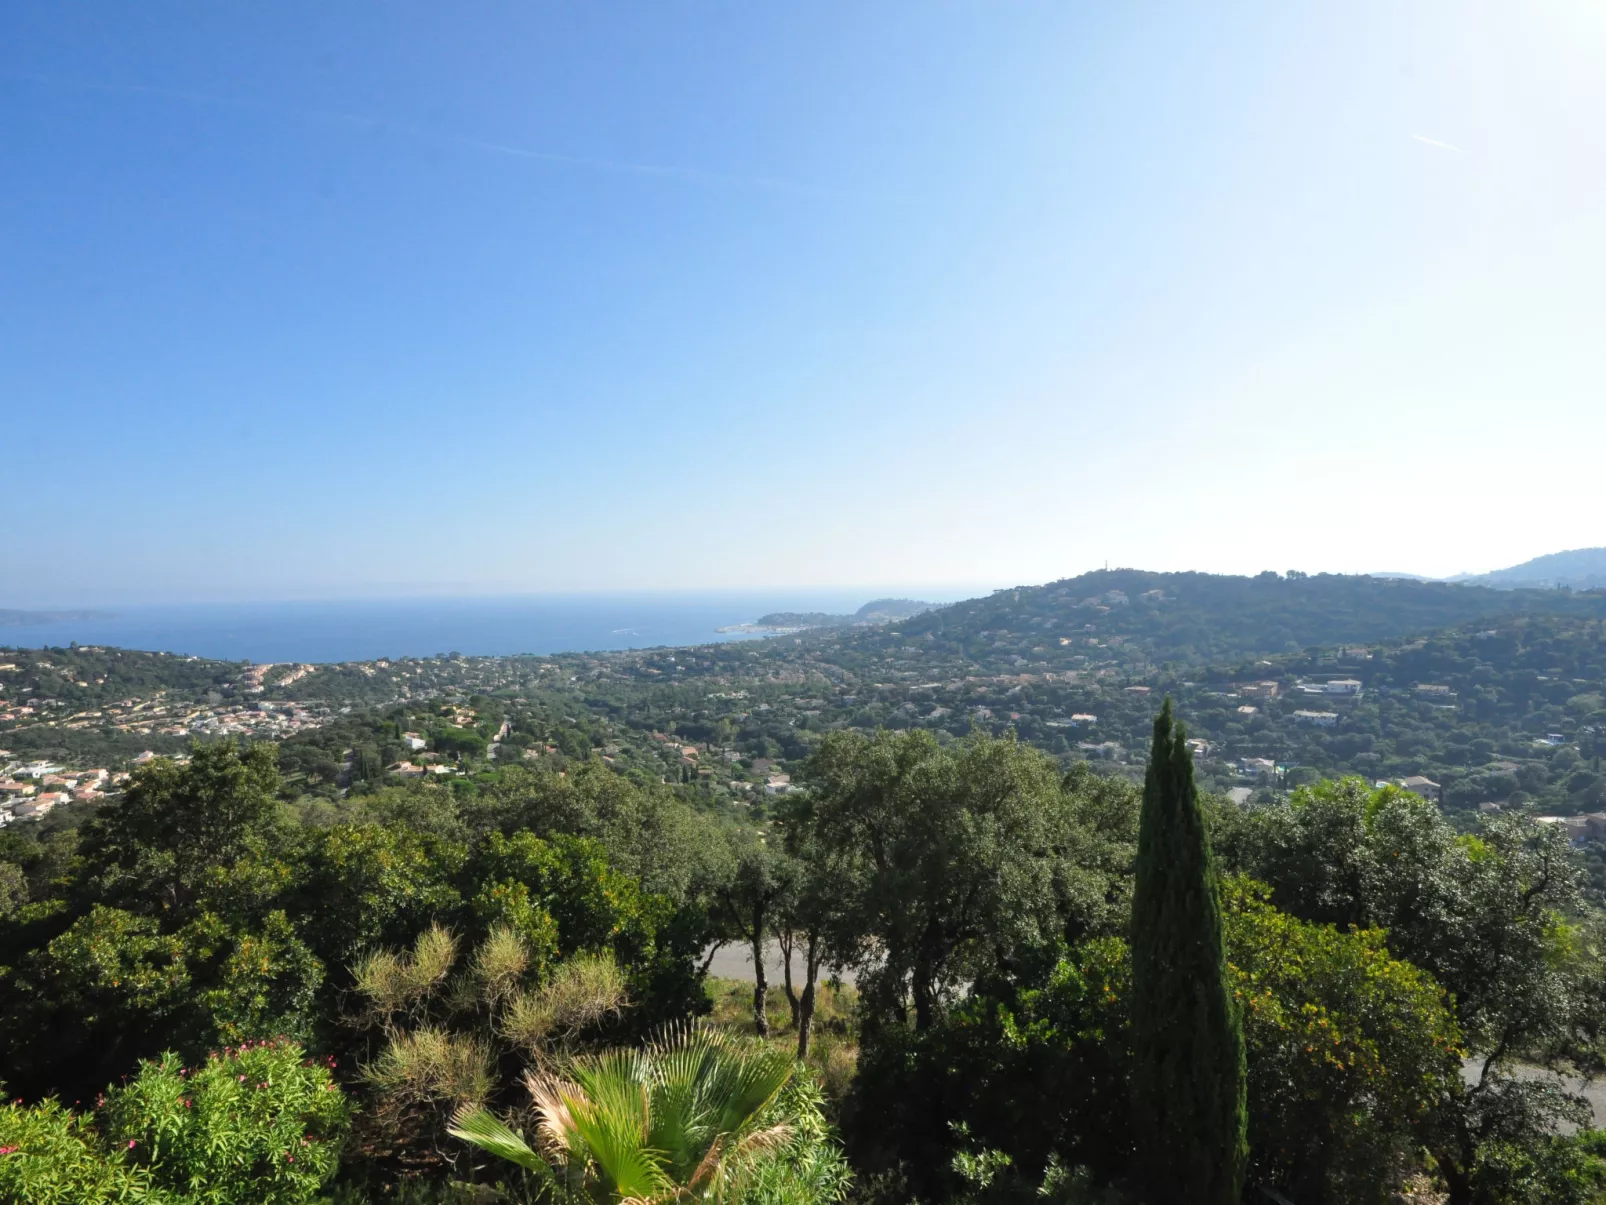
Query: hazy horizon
[[836, 596], [332, 302], [808, 596]]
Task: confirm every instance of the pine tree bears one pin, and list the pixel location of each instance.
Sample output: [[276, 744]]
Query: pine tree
[[1188, 1082]]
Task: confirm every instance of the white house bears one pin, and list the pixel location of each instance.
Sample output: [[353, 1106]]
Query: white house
[[1322, 719], [1418, 785]]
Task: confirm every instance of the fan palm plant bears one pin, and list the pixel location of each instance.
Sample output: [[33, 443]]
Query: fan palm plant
[[691, 1117]]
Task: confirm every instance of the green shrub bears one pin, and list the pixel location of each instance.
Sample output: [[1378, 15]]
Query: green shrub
[[252, 1124], [51, 1156]]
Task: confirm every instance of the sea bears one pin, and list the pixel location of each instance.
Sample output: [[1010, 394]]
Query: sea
[[365, 630]]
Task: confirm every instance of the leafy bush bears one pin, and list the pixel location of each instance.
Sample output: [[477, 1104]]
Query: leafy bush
[[254, 1123], [50, 1156], [251, 1125], [563, 897], [1349, 1050]]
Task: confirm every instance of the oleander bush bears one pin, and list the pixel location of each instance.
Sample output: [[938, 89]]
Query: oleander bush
[[52, 1156], [258, 1124]]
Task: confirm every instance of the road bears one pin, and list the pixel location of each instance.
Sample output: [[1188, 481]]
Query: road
[[736, 962], [1594, 1091]]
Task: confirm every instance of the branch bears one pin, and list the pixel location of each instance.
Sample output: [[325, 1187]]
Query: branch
[[709, 961], [1494, 1055]]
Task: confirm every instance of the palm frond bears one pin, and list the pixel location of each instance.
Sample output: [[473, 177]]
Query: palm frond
[[482, 1129], [616, 1143], [765, 1141], [694, 1115], [709, 1165], [555, 1131], [741, 1084]]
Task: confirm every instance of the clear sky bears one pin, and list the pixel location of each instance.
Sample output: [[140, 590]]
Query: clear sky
[[311, 299]]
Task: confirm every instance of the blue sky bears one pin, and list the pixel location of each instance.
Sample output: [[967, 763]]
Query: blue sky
[[312, 300]]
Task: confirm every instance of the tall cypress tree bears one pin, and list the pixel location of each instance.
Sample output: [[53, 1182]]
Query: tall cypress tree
[[1188, 1081]]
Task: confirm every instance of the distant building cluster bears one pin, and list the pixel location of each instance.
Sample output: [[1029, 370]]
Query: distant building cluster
[[29, 790]]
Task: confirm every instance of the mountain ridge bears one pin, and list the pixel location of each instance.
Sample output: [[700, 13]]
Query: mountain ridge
[[1577, 569]]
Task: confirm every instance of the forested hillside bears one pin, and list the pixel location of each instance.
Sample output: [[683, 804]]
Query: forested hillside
[[1188, 619], [1502, 709]]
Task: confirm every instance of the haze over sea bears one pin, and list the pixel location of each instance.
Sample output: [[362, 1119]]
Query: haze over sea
[[367, 629]]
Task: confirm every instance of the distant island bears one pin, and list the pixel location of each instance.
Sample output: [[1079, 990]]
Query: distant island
[[880, 610], [17, 619]]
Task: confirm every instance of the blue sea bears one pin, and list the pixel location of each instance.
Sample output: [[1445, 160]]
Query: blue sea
[[423, 627]]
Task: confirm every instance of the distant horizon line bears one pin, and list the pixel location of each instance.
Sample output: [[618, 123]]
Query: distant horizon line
[[954, 591], [938, 591]]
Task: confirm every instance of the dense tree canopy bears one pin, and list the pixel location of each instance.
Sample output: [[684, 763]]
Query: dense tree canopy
[[957, 862], [427, 942]]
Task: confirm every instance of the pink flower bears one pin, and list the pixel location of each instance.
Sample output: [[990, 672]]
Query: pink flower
[[242, 1079], [130, 1144], [6, 1150]]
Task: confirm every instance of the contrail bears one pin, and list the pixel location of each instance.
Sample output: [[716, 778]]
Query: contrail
[[1443, 146], [362, 121]]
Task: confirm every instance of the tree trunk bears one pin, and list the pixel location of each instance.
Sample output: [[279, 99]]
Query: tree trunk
[[785, 941], [925, 1001], [805, 1007], [1458, 1184], [761, 987], [1456, 1168]]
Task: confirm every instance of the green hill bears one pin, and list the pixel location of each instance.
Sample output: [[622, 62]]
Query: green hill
[[1140, 619]]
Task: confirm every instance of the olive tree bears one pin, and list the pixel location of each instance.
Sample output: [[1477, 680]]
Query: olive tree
[[951, 862]]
